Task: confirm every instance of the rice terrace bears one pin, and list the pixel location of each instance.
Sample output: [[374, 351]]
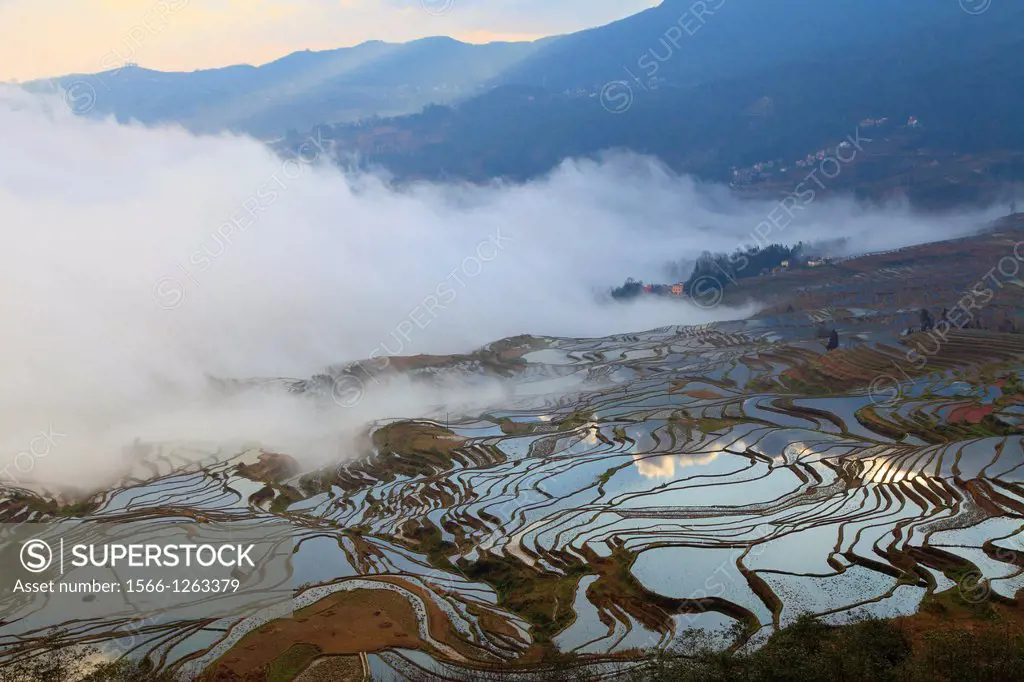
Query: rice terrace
[[727, 479], [463, 341]]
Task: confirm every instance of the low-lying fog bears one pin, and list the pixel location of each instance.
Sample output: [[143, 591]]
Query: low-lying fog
[[137, 262]]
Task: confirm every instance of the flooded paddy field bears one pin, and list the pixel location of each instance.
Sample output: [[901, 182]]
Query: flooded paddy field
[[727, 478]]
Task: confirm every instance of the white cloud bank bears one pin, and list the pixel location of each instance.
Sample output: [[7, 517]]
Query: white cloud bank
[[138, 262]]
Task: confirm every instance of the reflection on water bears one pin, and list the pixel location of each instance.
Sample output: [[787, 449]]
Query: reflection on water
[[675, 456], [664, 466]]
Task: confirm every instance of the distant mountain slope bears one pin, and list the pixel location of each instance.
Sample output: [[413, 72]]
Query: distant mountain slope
[[737, 82], [688, 43], [300, 89], [680, 42], [957, 76]]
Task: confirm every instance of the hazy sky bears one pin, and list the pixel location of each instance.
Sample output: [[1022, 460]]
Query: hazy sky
[[53, 37]]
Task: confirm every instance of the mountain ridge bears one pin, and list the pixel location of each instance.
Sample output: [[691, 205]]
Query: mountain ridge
[[749, 82], [298, 89]]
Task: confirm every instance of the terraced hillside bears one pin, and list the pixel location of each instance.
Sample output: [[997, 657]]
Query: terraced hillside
[[728, 478]]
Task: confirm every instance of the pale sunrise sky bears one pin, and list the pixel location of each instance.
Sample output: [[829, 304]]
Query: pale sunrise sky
[[40, 38]]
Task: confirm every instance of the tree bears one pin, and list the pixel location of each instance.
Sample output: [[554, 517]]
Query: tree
[[54, 660]]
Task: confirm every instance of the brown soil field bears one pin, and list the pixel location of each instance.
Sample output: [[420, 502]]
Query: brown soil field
[[343, 623]]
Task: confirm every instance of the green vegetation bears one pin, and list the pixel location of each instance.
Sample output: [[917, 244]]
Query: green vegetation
[[544, 599], [573, 421], [796, 385], [54, 662], [1012, 385], [428, 539], [285, 497], [812, 651], [809, 650], [710, 425], [292, 662], [607, 476], [513, 428], [576, 420]]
